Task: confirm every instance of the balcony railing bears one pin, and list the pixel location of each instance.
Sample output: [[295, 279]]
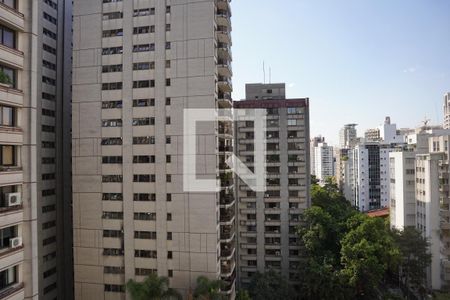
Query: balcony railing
[[226, 199], [10, 168], [11, 290]]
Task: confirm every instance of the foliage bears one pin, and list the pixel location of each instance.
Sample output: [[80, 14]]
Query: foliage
[[208, 289], [243, 295], [414, 258], [152, 288], [348, 255], [270, 285], [4, 78]]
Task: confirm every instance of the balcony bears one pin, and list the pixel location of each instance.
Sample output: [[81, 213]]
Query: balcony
[[225, 130], [227, 233], [225, 100], [226, 200], [224, 68], [223, 17], [223, 5], [227, 251], [225, 84], [224, 51], [10, 95], [11, 57], [11, 290], [11, 17], [227, 268], [226, 180], [227, 216]]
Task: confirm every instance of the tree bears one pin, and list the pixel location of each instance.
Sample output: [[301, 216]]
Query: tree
[[368, 252], [243, 295], [208, 289], [415, 258], [270, 285], [152, 288]]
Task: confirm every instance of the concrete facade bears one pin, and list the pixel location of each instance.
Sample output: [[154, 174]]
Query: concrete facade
[[267, 220], [35, 167], [137, 66], [323, 161], [447, 111]]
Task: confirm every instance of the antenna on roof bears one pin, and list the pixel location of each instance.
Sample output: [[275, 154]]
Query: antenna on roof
[[264, 72]]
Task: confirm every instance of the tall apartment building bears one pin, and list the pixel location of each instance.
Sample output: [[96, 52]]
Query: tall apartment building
[[314, 143], [267, 220], [35, 249], [137, 66], [447, 111], [323, 161], [348, 136]]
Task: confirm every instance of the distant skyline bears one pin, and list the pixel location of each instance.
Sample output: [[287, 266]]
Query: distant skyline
[[357, 61]]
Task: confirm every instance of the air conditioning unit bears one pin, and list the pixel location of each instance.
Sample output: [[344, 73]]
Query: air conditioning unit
[[14, 199], [15, 242]]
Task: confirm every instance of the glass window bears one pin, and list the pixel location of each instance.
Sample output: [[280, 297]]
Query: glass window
[[7, 37], [8, 277], [6, 116], [7, 155], [10, 3]]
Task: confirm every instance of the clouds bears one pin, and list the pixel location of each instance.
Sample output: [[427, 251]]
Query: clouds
[[410, 70]]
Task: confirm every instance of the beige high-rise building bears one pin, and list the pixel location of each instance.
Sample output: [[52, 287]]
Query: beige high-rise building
[[35, 229], [447, 111], [267, 221], [137, 66]]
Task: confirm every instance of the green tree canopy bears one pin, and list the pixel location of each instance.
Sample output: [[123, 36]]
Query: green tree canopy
[[152, 288]]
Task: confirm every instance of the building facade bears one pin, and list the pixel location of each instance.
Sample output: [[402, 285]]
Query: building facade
[[267, 220], [323, 161], [137, 66], [447, 111], [348, 136], [314, 143], [36, 247]]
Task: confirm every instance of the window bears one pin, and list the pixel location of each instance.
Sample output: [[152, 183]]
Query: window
[[167, 120], [145, 216], [112, 68], [143, 159], [48, 97], [143, 84], [48, 65], [49, 49], [48, 160], [147, 235], [168, 178], [167, 27], [111, 141], [7, 155], [10, 3], [143, 178], [112, 233], [48, 208], [6, 234], [168, 82], [110, 50], [48, 128], [111, 104], [144, 272], [48, 80], [112, 123], [143, 140], [49, 33], [168, 46], [168, 140], [112, 197], [48, 112], [144, 48], [8, 277], [293, 110], [144, 12], [143, 102], [111, 1], [112, 32], [112, 178], [167, 9], [170, 273], [49, 257], [51, 4], [114, 288], [143, 121], [168, 64], [48, 176], [169, 236], [168, 100], [112, 215], [7, 37], [112, 159], [10, 75], [292, 122], [169, 217], [169, 197], [113, 270], [143, 29], [110, 86], [144, 197], [168, 159], [49, 240], [49, 145], [169, 254], [7, 116], [113, 15], [145, 253], [144, 66]]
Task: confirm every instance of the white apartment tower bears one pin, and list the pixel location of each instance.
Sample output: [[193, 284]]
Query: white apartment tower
[[267, 221], [35, 214], [323, 161], [137, 65], [348, 136]]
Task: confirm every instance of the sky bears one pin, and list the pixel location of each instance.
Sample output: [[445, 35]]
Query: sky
[[356, 60]]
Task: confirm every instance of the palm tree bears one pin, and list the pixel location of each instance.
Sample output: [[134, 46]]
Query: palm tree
[[152, 288], [208, 289]]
